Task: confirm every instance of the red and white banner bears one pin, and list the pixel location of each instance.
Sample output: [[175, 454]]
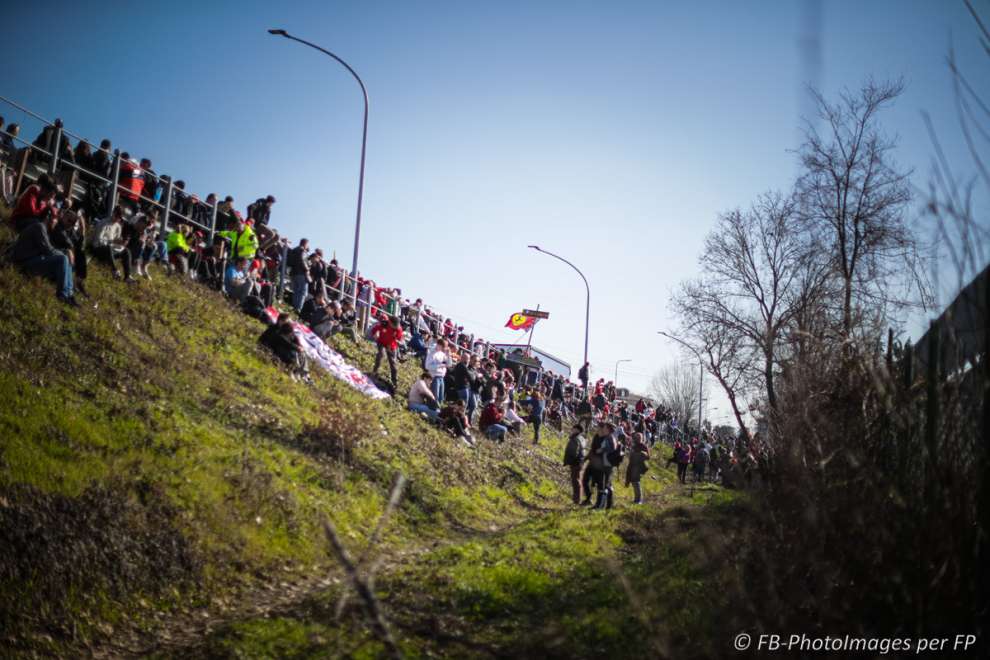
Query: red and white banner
[[333, 362]]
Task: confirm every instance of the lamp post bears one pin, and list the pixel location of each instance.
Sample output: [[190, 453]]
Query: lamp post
[[587, 304], [615, 381], [364, 142], [701, 370]]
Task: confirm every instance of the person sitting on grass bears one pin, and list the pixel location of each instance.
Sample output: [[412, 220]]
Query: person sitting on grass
[[318, 315], [387, 334], [281, 339], [35, 203], [107, 244], [421, 398], [348, 319], [177, 247], [490, 422], [34, 254], [511, 418], [455, 421], [638, 465], [67, 237], [237, 282]]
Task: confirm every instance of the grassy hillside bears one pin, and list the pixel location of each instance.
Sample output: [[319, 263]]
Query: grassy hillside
[[162, 483]]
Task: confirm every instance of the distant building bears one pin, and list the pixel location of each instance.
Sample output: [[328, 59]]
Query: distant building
[[545, 361]]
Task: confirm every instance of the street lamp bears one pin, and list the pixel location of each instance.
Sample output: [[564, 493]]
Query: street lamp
[[587, 304], [701, 370], [364, 142], [615, 381]]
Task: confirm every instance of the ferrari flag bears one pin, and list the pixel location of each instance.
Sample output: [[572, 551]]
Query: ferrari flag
[[520, 322]]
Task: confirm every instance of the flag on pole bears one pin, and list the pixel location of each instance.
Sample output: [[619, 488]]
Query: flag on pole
[[520, 321]]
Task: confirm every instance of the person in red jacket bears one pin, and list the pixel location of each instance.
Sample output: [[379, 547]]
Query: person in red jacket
[[491, 422], [387, 334], [34, 203]]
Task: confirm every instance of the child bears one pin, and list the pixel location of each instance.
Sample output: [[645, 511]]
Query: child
[[637, 465]]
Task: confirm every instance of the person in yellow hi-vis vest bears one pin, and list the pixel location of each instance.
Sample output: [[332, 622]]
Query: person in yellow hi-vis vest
[[177, 245], [243, 240]]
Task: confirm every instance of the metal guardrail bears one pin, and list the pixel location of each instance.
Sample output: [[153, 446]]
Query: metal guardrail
[[169, 217]]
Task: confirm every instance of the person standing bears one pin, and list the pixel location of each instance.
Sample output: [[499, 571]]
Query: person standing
[[537, 407], [584, 376], [299, 272], [388, 334], [638, 465], [462, 376], [609, 456], [574, 456], [437, 361]]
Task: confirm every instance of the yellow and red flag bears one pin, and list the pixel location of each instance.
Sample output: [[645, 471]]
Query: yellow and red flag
[[519, 321]]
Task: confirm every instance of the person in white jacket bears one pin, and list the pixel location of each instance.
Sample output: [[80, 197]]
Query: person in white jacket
[[108, 243], [437, 361]]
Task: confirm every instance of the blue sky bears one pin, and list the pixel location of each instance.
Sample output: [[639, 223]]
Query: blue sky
[[610, 133]]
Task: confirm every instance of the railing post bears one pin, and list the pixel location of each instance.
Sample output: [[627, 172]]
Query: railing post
[[114, 178], [213, 221], [22, 171], [281, 270], [53, 165], [166, 208]]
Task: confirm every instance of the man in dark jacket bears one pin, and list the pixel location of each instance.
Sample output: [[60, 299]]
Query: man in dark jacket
[[261, 210], [281, 340], [584, 376], [603, 460], [574, 455], [299, 272], [33, 253]]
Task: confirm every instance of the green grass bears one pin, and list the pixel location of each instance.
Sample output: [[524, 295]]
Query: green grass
[[155, 400]]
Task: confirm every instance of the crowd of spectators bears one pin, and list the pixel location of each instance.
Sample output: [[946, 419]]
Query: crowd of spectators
[[465, 386]]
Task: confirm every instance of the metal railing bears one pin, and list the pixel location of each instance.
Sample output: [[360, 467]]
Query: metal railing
[[32, 158]]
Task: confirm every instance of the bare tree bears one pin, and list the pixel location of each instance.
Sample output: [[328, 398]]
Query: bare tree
[[749, 264], [727, 357], [676, 387], [854, 197]]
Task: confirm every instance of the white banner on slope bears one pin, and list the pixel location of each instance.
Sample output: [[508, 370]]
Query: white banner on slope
[[332, 361]]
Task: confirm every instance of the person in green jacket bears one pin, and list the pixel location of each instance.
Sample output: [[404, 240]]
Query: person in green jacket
[[177, 246], [243, 242]]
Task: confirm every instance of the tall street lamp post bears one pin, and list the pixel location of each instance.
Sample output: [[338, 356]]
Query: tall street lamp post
[[364, 143], [587, 304]]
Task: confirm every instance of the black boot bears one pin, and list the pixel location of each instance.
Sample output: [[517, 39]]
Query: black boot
[[600, 502], [608, 499]]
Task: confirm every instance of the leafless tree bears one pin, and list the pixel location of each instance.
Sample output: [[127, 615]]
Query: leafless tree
[[749, 265], [854, 199], [676, 387], [726, 354]]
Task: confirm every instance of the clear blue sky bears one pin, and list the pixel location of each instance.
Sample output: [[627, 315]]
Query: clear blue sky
[[610, 133]]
